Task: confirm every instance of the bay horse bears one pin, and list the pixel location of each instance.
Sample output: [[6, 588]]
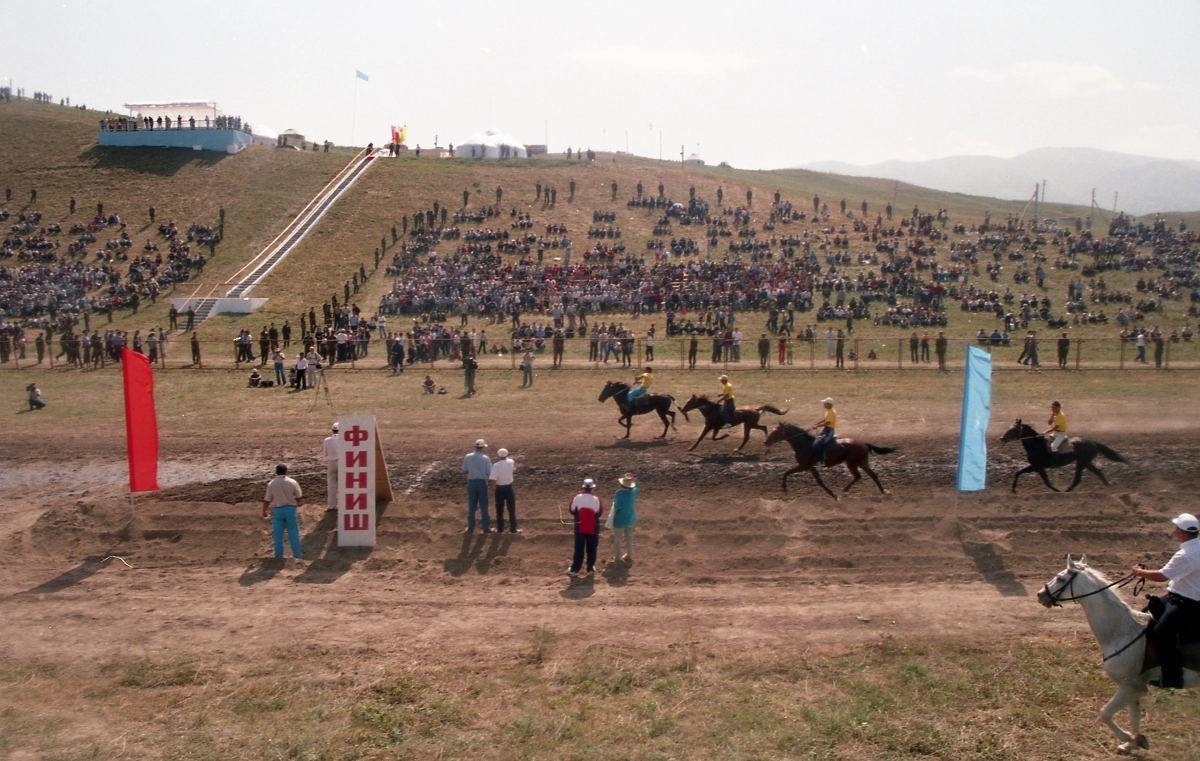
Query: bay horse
[[854, 453], [660, 403], [713, 420], [1120, 631], [1037, 452]]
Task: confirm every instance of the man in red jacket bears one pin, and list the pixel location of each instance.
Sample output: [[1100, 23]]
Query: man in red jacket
[[587, 509]]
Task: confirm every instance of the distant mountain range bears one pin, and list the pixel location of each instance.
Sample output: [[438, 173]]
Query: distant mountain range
[[1144, 184]]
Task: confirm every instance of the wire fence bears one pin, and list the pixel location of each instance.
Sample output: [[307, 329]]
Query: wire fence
[[851, 354]]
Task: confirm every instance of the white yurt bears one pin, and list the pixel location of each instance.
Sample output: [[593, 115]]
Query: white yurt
[[490, 145]]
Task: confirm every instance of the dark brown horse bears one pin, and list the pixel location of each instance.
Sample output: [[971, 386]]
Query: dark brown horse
[[1037, 452], [660, 403], [713, 420], [854, 453]]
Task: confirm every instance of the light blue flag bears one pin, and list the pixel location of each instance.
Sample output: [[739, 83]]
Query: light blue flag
[[360, 75], [976, 413]]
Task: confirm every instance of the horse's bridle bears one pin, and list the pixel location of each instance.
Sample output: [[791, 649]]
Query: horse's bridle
[[1056, 599]]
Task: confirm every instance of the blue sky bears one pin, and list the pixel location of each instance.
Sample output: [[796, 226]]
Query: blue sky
[[760, 85]]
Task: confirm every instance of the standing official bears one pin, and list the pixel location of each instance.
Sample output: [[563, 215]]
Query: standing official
[[283, 495], [331, 469], [502, 476], [478, 467], [587, 509]]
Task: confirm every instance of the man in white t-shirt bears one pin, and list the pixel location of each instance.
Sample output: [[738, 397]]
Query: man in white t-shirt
[[502, 476], [1182, 601], [331, 469]]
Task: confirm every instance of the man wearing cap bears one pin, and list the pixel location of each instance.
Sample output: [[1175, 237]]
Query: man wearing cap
[[331, 469], [728, 405], [1058, 426], [828, 436], [1182, 572], [587, 509], [282, 495], [502, 475], [478, 467]]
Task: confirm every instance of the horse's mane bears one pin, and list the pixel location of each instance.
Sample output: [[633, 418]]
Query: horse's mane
[[1111, 593], [793, 430], [703, 399], [618, 383]]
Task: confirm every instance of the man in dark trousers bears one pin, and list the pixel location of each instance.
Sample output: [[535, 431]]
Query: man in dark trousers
[[940, 350], [587, 510], [502, 476], [764, 350], [1064, 349], [1182, 572]]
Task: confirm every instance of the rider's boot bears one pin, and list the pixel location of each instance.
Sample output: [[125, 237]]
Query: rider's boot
[[1172, 678]]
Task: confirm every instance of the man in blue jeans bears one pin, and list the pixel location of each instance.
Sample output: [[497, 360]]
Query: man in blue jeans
[[282, 495], [478, 467]]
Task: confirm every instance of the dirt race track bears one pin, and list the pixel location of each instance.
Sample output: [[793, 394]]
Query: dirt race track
[[717, 545], [724, 561]]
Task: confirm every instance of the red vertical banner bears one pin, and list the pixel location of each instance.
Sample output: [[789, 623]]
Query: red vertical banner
[[141, 424]]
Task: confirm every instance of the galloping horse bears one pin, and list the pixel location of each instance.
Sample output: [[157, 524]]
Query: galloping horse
[[660, 403], [1037, 452], [854, 453], [713, 420]]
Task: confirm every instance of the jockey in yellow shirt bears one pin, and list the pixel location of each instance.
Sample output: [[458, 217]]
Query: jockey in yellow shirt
[[1058, 427], [828, 426], [642, 383], [728, 406]]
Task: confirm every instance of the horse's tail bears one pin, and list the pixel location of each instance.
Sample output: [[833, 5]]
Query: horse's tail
[[773, 410], [880, 450], [1109, 453]]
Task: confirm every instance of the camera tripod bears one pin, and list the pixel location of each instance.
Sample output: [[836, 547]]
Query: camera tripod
[[322, 384]]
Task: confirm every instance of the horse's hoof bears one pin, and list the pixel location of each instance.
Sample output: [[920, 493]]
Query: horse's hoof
[[887, 493], [1142, 742], [1125, 749]]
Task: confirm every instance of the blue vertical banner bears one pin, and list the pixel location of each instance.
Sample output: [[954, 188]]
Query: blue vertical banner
[[976, 413]]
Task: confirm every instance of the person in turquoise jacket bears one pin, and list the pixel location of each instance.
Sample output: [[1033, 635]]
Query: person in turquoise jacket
[[624, 515]]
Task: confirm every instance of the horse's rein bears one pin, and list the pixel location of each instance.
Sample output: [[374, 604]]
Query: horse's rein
[[1124, 581]]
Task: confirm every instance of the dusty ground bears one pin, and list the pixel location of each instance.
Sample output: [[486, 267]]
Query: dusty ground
[[726, 564]]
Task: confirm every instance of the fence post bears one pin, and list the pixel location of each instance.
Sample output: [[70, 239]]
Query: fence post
[[1078, 352], [1166, 356], [682, 355], [1122, 365], [812, 355], [857, 354], [899, 353]]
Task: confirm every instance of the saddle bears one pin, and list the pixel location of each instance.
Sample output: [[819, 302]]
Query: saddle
[[641, 404], [1189, 639]]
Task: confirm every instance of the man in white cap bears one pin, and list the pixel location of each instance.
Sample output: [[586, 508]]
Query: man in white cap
[[1182, 613], [478, 467], [827, 426], [587, 509], [502, 475], [331, 469]]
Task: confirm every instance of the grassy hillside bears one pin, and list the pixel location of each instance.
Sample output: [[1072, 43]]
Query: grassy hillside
[[52, 148]]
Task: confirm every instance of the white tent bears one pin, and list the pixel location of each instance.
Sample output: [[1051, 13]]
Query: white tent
[[490, 145]]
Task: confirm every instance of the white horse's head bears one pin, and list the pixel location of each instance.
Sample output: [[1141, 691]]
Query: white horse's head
[[1073, 581]]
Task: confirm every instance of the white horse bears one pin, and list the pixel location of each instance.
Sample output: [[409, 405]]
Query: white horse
[[1120, 631]]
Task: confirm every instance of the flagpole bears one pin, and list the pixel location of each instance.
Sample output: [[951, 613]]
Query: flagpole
[[354, 110]]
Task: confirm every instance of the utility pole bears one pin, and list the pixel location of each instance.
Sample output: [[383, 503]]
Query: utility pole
[[1114, 204], [1036, 205], [681, 161]]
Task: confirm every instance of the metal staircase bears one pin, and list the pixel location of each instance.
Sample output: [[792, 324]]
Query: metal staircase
[[256, 270]]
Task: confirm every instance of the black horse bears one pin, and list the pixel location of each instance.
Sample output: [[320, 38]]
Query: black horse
[[1037, 452], [660, 403]]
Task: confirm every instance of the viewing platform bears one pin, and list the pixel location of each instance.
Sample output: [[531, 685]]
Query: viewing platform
[[128, 133]]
